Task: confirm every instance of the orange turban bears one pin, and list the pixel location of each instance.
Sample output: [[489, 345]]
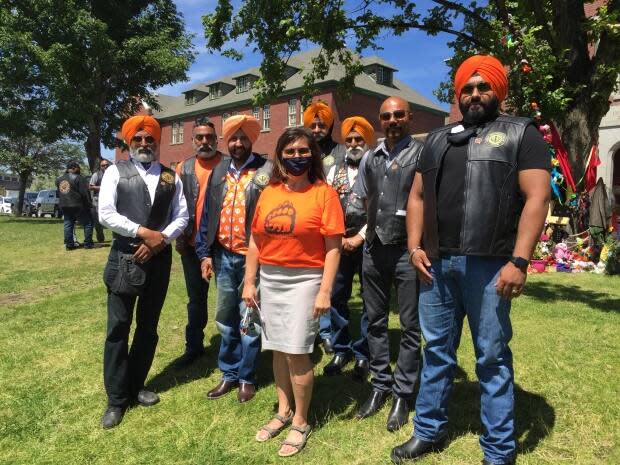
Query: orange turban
[[360, 125], [490, 68], [136, 124], [321, 110], [247, 123]]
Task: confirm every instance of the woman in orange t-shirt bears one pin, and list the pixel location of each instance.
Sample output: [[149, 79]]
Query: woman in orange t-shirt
[[296, 235]]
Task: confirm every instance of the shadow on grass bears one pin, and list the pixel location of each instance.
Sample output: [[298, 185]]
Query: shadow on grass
[[35, 220], [550, 292], [534, 416], [171, 377]]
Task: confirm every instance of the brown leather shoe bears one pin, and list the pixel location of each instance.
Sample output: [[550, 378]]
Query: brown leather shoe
[[246, 392], [222, 389]]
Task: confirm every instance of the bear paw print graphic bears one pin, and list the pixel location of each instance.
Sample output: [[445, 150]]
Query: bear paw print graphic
[[281, 220]]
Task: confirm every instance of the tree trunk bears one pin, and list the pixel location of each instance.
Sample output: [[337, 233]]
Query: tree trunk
[[23, 180], [93, 145], [578, 128]]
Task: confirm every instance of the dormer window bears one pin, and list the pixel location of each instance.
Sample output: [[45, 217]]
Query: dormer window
[[215, 91], [381, 74], [244, 83], [194, 96]]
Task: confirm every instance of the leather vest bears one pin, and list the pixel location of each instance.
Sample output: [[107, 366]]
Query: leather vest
[[69, 195], [335, 157], [352, 205], [388, 192], [216, 191], [134, 201], [492, 200]]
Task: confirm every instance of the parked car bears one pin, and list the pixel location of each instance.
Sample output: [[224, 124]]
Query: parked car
[[47, 204], [30, 204], [5, 205]]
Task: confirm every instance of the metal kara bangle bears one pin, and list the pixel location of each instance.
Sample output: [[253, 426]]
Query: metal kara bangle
[[412, 253]]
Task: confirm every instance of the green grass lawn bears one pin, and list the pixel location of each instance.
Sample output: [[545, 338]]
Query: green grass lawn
[[52, 310]]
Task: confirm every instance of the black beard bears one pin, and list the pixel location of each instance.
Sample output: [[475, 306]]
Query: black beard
[[485, 113], [240, 155]]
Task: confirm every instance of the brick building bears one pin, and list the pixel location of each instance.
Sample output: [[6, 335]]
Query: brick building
[[232, 94]]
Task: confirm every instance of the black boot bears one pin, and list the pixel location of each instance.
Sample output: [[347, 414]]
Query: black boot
[[373, 403], [415, 448], [361, 370], [336, 364], [399, 414], [112, 417]]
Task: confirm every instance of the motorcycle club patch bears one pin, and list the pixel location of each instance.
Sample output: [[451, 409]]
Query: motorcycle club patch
[[496, 139], [167, 178], [328, 161], [64, 186], [261, 179]]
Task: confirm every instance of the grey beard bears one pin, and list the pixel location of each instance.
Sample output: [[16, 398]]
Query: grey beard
[[356, 153], [206, 154], [142, 155]]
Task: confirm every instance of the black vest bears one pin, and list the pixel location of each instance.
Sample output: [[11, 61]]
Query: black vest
[[388, 192], [216, 191], [334, 157], [492, 202], [352, 205], [69, 195], [191, 188], [134, 201]]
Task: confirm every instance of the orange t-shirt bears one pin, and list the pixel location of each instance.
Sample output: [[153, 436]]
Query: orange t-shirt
[[289, 227], [203, 170]]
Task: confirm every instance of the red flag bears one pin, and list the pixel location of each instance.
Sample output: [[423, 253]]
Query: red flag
[[562, 156], [593, 162]]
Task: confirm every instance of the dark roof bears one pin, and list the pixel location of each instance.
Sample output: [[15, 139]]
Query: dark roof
[[175, 107]]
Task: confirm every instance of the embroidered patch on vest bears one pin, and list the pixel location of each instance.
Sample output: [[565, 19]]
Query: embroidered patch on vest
[[261, 179], [496, 139], [328, 161], [64, 187], [167, 178]]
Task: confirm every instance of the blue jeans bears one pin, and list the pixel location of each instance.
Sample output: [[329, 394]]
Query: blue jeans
[[197, 292], [350, 263], [325, 326], [238, 357], [465, 286], [71, 215]]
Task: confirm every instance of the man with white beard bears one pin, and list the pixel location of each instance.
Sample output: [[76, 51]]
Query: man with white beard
[[142, 202], [195, 172], [358, 136]]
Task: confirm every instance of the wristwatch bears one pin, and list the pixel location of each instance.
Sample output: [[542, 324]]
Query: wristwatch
[[520, 263]]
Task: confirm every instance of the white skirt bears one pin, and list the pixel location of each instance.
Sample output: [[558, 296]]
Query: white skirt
[[287, 298]]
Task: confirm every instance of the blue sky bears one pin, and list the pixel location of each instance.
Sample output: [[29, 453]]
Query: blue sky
[[419, 58]]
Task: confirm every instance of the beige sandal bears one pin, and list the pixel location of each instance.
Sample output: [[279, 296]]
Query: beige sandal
[[273, 432], [305, 432]]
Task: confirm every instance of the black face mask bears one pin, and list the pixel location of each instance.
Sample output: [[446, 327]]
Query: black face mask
[[297, 165]]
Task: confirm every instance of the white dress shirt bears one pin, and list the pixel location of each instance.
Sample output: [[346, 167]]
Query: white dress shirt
[[112, 219]]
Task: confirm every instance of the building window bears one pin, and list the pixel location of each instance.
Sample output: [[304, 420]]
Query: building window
[[177, 132], [256, 113], [292, 112], [266, 117], [243, 84], [215, 91], [384, 76], [190, 98]]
